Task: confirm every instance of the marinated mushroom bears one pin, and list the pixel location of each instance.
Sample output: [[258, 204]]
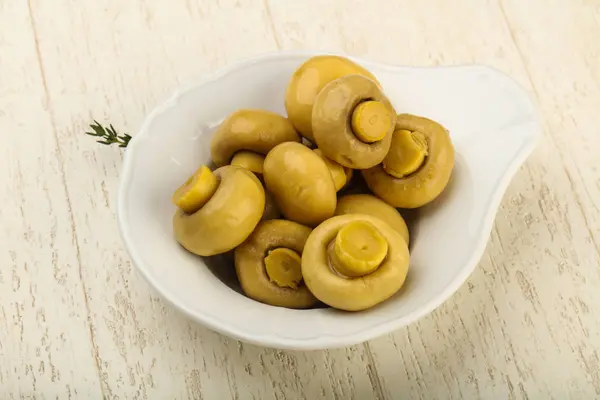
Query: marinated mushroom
[[217, 210], [249, 160], [354, 261], [308, 80], [247, 135], [341, 175], [271, 209], [375, 207], [353, 122], [301, 183], [268, 265], [418, 166], [253, 162]]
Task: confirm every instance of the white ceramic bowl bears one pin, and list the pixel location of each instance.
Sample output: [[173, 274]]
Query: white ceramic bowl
[[493, 126]]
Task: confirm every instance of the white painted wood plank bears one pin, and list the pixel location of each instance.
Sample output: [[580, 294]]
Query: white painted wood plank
[[45, 346], [523, 326]]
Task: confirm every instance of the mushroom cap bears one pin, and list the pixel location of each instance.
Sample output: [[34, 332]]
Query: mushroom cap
[[251, 270], [227, 219], [300, 183], [353, 294], [341, 175], [429, 181], [332, 129], [308, 80], [271, 209], [373, 206], [250, 129]]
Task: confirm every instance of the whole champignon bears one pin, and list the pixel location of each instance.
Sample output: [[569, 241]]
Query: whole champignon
[[247, 135], [268, 264], [222, 209], [354, 261], [301, 183], [353, 122], [375, 207], [341, 175], [308, 80], [418, 166]]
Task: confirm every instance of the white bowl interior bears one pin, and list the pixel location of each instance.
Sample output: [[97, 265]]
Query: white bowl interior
[[492, 124]]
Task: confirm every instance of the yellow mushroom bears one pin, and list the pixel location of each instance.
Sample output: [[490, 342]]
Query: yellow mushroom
[[196, 190], [301, 183], [268, 265], [308, 80], [250, 160], [271, 209], [341, 175], [247, 135], [353, 122], [418, 166], [220, 209], [371, 205], [354, 261]]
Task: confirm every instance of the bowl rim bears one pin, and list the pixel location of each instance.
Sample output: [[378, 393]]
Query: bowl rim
[[326, 341]]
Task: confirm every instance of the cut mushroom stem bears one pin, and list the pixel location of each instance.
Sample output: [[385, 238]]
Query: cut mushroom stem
[[284, 267], [358, 249], [268, 265], [418, 165], [410, 155], [250, 160], [196, 191], [371, 121]]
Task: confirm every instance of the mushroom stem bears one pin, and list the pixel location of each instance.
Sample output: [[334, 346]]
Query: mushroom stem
[[358, 249], [250, 160], [410, 155], [196, 191], [371, 121], [284, 267]]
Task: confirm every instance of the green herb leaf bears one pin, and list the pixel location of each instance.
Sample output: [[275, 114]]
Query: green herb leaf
[[109, 135]]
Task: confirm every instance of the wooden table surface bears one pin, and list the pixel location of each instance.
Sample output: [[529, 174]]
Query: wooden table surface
[[77, 321]]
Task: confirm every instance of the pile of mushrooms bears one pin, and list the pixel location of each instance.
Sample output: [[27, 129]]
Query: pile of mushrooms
[[304, 228]]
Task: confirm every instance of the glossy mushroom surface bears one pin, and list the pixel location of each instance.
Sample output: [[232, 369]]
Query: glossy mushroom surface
[[353, 122], [301, 183], [375, 207], [226, 216], [354, 261], [341, 175], [418, 166], [250, 131], [308, 80], [268, 265]]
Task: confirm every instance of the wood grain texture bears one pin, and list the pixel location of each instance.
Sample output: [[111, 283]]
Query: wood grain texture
[[45, 337], [77, 321]]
